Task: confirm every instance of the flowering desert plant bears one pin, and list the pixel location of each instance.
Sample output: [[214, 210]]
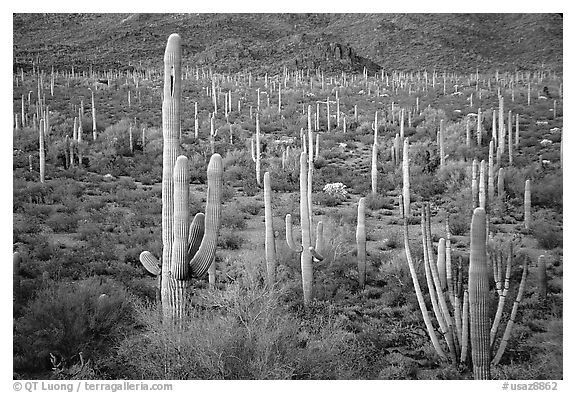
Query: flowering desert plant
[[337, 190]]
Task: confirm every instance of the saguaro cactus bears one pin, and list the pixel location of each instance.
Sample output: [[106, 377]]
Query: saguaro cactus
[[256, 152], [270, 244], [361, 242], [306, 250], [542, 278], [187, 251], [441, 143], [527, 205], [374, 171], [42, 155], [479, 296]]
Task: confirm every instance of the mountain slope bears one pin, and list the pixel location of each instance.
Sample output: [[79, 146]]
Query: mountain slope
[[263, 42]]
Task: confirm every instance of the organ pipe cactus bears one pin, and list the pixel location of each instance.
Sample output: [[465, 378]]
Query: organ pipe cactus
[[361, 242], [270, 244], [187, 251]]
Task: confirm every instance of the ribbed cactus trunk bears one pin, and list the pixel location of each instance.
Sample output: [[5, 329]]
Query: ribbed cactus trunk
[[479, 297], [270, 243], [94, 132], [479, 128], [441, 264], [491, 190], [171, 290], [374, 171], [257, 152], [406, 179], [306, 255], [361, 242], [542, 278], [41, 152], [527, 205], [475, 184], [441, 143]]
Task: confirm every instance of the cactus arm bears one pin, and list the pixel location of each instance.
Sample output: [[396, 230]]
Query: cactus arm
[[195, 235], [319, 247], [289, 237], [417, 289], [435, 290], [429, 281], [478, 289], [502, 297], [150, 262], [178, 265], [512, 318], [205, 255], [405, 207]]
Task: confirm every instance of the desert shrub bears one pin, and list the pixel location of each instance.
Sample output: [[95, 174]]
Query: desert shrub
[[251, 336], [547, 234], [65, 319], [546, 192], [453, 175], [251, 207], [377, 202], [62, 222], [233, 218]]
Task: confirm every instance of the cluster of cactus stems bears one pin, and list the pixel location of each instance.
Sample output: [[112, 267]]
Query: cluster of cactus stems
[[188, 249], [464, 319]]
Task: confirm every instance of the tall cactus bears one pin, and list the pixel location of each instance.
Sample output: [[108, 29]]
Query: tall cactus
[[41, 151], [441, 143], [270, 244], [374, 171], [188, 251], [256, 152], [479, 296], [361, 242], [307, 251], [527, 205], [542, 278]]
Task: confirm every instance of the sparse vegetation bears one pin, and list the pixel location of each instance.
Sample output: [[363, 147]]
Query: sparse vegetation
[[85, 302]]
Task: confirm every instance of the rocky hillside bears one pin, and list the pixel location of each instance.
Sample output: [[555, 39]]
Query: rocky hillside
[[261, 42]]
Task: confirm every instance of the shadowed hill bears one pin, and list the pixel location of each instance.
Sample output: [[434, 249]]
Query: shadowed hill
[[263, 42]]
